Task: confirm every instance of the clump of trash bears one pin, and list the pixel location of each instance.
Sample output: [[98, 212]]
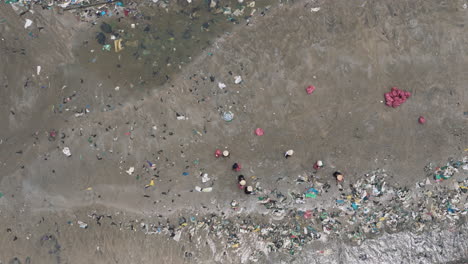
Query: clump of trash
[[369, 207], [396, 97]]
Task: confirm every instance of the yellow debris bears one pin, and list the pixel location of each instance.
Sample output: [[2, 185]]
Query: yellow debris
[[150, 184], [235, 245], [382, 219], [118, 45], [89, 188]]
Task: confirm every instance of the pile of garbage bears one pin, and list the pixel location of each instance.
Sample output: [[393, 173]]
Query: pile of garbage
[[369, 207]]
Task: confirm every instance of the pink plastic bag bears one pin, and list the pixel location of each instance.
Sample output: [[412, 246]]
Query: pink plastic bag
[[310, 89], [259, 132]]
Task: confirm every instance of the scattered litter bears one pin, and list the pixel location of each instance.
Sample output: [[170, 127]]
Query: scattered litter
[[118, 45], [310, 89], [421, 120], [130, 170], [228, 116], [221, 85], [205, 178], [315, 9], [396, 97], [150, 184], [318, 165], [259, 132], [200, 189], [38, 70], [237, 79], [28, 23], [82, 224], [66, 151], [288, 153]]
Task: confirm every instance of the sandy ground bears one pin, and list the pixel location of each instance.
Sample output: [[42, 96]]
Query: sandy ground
[[353, 52]]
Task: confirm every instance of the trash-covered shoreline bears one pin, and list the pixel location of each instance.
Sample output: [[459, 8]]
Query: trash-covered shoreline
[[368, 213], [233, 135]]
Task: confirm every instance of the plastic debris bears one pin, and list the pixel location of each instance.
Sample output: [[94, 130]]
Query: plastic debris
[[28, 23], [421, 120], [118, 45], [205, 178], [66, 151], [221, 85], [82, 224], [259, 132], [200, 189], [396, 97], [237, 79], [150, 184], [310, 89], [318, 165], [228, 116], [130, 170], [288, 153]]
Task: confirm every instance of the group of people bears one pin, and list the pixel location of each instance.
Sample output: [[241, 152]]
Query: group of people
[[248, 189], [241, 181]]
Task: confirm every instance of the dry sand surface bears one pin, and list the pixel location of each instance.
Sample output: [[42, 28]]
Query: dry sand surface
[[351, 51]]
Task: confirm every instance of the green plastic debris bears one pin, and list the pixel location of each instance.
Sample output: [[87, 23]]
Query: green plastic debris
[[106, 47], [1, 194], [311, 195]]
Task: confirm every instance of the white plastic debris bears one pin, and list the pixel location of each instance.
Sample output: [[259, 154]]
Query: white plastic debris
[[228, 116], [208, 189], [221, 85], [177, 236], [315, 9], [38, 70], [181, 118], [213, 4], [28, 23], [237, 79], [205, 177], [82, 224], [66, 151], [200, 189], [117, 88], [130, 170]]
